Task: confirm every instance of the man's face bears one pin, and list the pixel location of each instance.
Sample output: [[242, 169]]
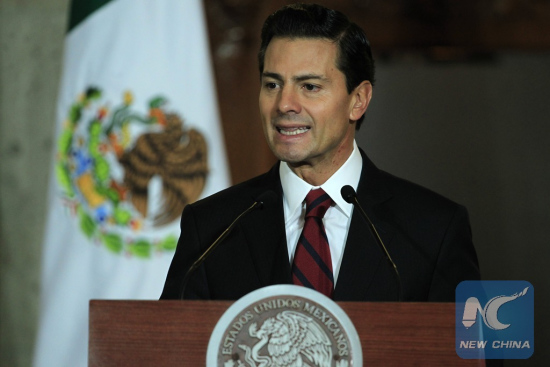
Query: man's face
[[304, 104]]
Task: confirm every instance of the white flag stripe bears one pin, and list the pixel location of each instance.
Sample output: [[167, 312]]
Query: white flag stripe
[[150, 49]]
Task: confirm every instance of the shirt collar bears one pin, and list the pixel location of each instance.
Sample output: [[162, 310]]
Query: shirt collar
[[295, 189]]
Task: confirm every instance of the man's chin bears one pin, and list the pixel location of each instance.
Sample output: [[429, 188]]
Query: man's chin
[[293, 155], [293, 161]]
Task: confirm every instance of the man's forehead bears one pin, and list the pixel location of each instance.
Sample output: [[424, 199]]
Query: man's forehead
[[300, 57]]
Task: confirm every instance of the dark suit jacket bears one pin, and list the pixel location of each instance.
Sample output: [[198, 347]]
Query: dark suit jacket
[[427, 235]]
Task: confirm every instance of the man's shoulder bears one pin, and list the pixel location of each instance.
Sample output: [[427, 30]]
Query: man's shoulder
[[424, 215], [405, 189], [416, 205], [401, 190]]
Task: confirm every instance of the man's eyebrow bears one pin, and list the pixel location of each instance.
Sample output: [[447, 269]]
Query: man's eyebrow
[[298, 78], [303, 78], [267, 74]]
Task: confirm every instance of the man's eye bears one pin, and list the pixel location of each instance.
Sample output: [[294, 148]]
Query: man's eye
[[271, 85], [310, 87]]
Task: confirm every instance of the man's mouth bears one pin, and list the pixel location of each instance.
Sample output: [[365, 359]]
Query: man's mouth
[[293, 130]]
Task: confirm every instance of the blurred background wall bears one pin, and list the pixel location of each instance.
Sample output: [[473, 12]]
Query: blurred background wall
[[460, 106], [31, 46]]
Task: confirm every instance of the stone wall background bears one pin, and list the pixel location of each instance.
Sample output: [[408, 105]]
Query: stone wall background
[[31, 44]]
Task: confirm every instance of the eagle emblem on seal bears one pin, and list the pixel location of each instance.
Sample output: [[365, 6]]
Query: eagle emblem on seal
[[291, 339]]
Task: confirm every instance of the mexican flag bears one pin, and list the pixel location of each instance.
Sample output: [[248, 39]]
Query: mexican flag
[[137, 138]]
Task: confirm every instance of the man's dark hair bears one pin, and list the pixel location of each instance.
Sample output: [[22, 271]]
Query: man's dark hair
[[314, 21]]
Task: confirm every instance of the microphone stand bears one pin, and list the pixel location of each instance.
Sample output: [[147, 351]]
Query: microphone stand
[[350, 196], [213, 246]]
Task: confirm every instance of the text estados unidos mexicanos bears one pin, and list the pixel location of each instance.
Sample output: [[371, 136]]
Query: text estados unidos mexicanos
[[332, 326]]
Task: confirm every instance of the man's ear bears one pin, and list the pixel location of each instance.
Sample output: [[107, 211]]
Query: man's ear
[[361, 99]]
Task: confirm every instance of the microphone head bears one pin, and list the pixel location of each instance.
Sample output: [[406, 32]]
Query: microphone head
[[348, 193], [268, 197]]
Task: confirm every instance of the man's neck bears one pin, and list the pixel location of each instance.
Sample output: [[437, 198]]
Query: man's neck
[[318, 173]]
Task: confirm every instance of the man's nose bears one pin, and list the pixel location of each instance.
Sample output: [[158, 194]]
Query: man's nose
[[289, 101]]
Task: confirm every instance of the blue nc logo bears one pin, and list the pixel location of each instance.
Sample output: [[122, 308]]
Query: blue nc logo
[[495, 319]]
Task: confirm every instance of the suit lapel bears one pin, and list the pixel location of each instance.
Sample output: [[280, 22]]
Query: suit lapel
[[362, 255], [265, 234]]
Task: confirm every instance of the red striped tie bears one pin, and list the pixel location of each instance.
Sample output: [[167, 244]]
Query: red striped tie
[[312, 265]]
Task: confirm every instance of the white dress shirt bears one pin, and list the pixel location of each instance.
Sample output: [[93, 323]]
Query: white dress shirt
[[337, 218]]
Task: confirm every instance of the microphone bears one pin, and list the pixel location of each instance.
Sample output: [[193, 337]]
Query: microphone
[[266, 197], [350, 196]]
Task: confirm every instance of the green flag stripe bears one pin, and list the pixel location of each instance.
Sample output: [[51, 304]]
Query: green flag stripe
[[80, 9]]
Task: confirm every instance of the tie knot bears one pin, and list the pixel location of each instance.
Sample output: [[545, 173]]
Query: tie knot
[[317, 203]]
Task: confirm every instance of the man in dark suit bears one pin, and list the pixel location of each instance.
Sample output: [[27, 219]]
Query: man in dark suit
[[317, 75]]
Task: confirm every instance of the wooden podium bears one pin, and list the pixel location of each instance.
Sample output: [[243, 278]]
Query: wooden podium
[[176, 333]]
